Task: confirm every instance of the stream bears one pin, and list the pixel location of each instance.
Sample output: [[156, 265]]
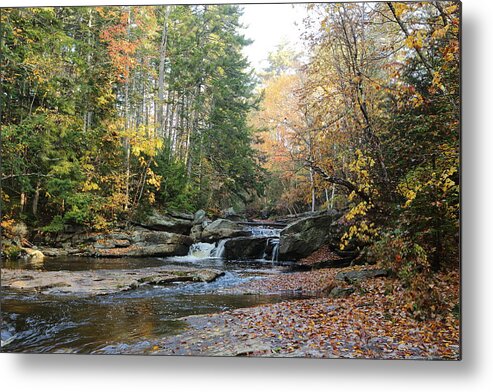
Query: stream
[[111, 323]]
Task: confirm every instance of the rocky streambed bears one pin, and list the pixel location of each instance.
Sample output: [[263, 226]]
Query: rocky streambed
[[108, 305], [106, 292]]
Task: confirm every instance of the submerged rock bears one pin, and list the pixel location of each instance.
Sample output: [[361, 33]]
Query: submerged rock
[[99, 282]]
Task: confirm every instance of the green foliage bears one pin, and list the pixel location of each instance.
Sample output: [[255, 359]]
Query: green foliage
[[409, 262], [55, 226], [176, 192], [79, 139]]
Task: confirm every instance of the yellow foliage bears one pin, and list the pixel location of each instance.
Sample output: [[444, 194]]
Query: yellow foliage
[[90, 186], [440, 33], [400, 8]]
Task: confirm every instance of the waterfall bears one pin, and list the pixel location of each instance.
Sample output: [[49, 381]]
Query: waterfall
[[219, 249], [201, 250], [264, 246], [271, 250], [204, 250], [275, 249], [261, 231]]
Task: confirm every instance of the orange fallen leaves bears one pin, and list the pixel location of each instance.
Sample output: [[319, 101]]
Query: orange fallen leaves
[[370, 323]]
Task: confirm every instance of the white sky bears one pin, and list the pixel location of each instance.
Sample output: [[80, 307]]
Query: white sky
[[267, 25]]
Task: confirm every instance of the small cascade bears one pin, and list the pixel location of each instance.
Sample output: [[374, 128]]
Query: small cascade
[[219, 249], [261, 231], [201, 250], [275, 249]]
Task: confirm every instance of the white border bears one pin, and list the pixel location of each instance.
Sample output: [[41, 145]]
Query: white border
[[117, 373]]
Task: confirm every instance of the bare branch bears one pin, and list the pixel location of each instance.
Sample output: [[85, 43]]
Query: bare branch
[[336, 180]]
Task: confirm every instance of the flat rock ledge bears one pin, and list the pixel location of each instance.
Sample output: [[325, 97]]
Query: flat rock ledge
[[101, 282]]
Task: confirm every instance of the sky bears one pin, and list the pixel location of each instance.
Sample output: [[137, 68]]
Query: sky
[[267, 25]]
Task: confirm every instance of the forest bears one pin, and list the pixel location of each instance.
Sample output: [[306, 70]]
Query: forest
[[112, 115]]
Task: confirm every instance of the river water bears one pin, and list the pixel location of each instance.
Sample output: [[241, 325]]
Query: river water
[[112, 323]]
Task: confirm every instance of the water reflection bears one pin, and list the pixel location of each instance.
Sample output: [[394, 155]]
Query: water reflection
[[40, 323]]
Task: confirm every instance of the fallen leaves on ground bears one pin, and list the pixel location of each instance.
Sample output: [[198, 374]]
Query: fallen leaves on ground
[[322, 254], [309, 283], [373, 322]]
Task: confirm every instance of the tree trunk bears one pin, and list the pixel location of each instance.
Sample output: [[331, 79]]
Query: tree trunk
[[312, 186], [162, 58], [36, 198]]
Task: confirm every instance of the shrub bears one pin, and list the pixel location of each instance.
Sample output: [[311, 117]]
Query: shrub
[[409, 263]]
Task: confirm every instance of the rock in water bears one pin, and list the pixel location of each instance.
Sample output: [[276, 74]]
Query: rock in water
[[101, 282], [241, 248], [303, 237], [33, 255]]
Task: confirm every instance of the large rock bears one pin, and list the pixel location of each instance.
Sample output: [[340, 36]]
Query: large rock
[[222, 228], [199, 217], [139, 242], [168, 223], [242, 248], [340, 292], [232, 215], [301, 238], [142, 243], [182, 215], [196, 232], [100, 282], [33, 255]]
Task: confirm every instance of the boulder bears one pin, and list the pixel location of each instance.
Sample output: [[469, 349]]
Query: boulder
[[222, 228], [340, 292], [112, 243], [136, 243], [199, 217], [196, 232], [232, 215], [159, 237], [59, 252], [181, 215], [168, 223], [141, 250], [143, 243], [241, 248], [33, 255], [301, 238]]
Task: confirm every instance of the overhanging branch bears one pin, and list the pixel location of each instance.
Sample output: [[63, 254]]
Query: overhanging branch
[[336, 180]]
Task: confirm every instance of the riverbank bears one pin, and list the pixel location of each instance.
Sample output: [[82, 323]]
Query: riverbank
[[371, 322]]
